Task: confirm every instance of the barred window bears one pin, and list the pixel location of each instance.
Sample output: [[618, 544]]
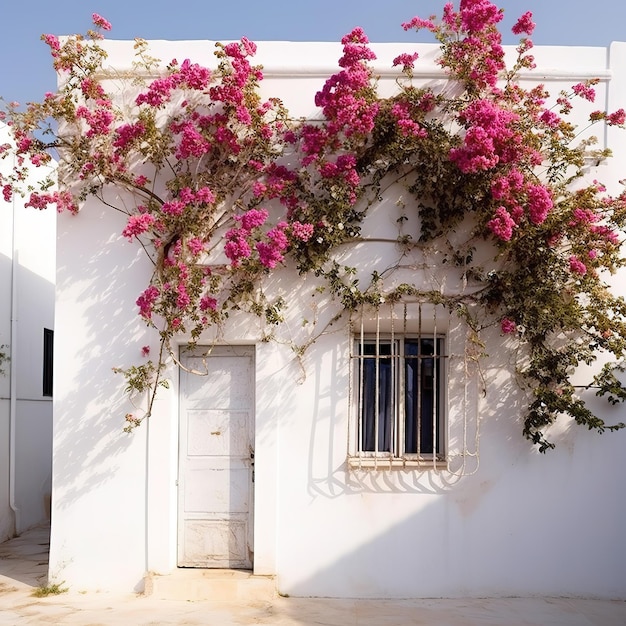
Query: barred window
[[399, 389]]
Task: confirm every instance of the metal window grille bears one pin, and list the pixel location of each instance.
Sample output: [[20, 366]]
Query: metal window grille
[[399, 375]]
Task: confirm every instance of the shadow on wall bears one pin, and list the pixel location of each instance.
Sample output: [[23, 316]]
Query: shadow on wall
[[90, 404], [329, 475], [523, 524], [519, 541], [31, 467]]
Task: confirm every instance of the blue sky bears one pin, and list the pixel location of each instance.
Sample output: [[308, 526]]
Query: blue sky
[[26, 71]]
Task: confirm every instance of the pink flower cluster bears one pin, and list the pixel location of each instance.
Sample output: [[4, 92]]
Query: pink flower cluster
[[491, 137], [507, 326], [519, 198], [343, 99], [127, 133], [146, 301], [617, 118], [300, 231], [585, 90], [52, 41], [475, 15], [279, 183], [406, 60], [100, 22], [195, 245], [524, 25], [576, 266], [417, 23], [271, 251], [189, 75], [343, 167], [590, 221], [63, 200], [185, 198], [137, 225], [403, 112], [550, 119], [208, 303], [99, 119], [231, 89], [502, 224], [237, 247], [92, 89], [192, 142], [478, 56], [270, 247], [539, 202]]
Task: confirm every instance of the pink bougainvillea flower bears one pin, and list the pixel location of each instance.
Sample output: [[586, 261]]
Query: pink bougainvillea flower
[[524, 25], [63, 199], [576, 266], [549, 118], [236, 247], [406, 60], [100, 22], [502, 224], [507, 326], [302, 232], [182, 299], [584, 90], [253, 219], [146, 300], [539, 203], [617, 118], [53, 42], [269, 255], [205, 195], [208, 303], [418, 23], [125, 134], [137, 225]]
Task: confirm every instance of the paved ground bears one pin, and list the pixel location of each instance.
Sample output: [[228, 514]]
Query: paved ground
[[23, 563]]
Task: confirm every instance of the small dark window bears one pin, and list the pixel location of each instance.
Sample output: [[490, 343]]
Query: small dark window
[[400, 395], [48, 360]]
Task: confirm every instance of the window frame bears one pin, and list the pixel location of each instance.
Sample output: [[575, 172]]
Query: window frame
[[382, 332]]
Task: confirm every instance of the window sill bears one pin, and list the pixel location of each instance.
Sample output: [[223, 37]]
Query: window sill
[[378, 463]]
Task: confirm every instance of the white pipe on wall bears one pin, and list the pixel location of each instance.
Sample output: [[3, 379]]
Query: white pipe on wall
[[13, 373]]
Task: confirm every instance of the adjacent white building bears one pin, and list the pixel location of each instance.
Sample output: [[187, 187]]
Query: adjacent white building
[[257, 466], [27, 277]]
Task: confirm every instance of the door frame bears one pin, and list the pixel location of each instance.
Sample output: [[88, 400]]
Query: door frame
[[215, 351]]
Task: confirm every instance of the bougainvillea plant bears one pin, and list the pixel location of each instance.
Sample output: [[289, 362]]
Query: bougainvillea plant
[[217, 172]]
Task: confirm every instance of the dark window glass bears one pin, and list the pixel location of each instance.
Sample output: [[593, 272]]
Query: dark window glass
[[48, 360], [380, 396]]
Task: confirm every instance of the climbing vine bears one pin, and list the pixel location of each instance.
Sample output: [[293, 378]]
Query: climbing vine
[[4, 357], [227, 189]]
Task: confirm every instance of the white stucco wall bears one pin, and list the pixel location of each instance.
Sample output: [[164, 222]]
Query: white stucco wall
[[521, 524], [27, 275]]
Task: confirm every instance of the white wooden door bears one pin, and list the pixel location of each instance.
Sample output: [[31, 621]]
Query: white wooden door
[[216, 459]]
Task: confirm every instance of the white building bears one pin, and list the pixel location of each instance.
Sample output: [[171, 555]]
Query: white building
[[27, 277], [292, 498]]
